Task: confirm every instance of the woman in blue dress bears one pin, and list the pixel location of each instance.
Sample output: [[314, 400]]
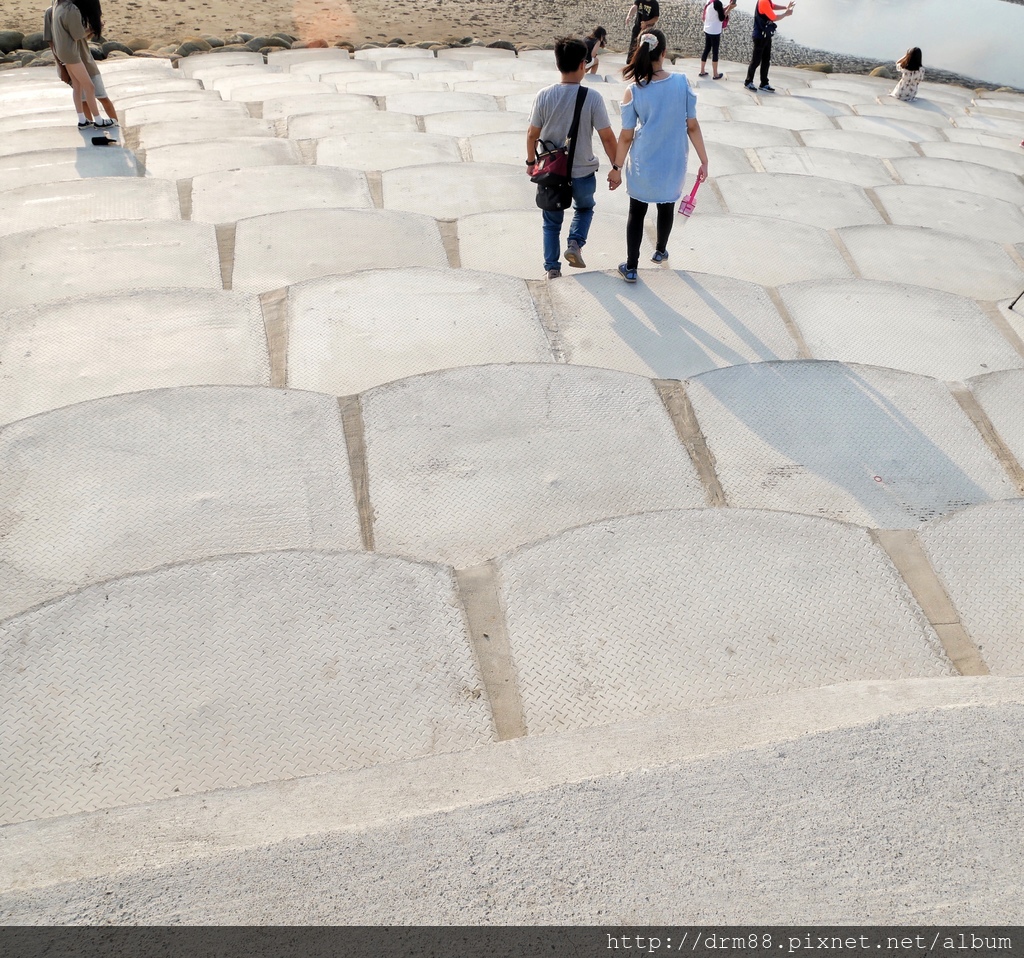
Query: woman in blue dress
[[659, 111]]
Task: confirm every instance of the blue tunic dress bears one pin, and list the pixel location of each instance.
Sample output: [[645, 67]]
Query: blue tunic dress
[[656, 164]]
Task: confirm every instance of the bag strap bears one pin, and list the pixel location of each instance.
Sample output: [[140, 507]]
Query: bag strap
[[581, 95]]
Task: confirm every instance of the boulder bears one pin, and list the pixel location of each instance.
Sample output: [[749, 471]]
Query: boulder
[[193, 45], [138, 43], [10, 40], [119, 55], [345, 45], [299, 45], [240, 38], [34, 42], [317, 44], [502, 45], [370, 46], [215, 42], [287, 37], [258, 44], [397, 42], [883, 71], [98, 53], [816, 67], [112, 46], [428, 44]]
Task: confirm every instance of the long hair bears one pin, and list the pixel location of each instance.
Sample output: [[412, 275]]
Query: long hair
[[92, 15], [641, 65], [599, 34], [911, 60]]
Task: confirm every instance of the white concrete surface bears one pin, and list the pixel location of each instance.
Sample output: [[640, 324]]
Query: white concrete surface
[[961, 175], [182, 111], [470, 463], [182, 161], [789, 115], [673, 325], [384, 84], [951, 262], [387, 151], [814, 200], [107, 488], [422, 104], [82, 201], [904, 327], [100, 257], [954, 211], [267, 255], [665, 611], [532, 816], [979, 556], [81, 349], [54, 166], [853, 141], [350, 333], [282, 107], [757, 249], [232, 195], [44, 138], [746, 135], [854, 168], [448, 191], [235, 58], [474, 122], [999, 394], [154, 135], [314, 69], [252, 669], [310, 126], [855, 443]]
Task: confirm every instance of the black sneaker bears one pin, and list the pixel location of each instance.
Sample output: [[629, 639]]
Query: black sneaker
[[766, 88]]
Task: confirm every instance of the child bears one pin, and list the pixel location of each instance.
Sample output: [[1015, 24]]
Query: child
[[911, 75]]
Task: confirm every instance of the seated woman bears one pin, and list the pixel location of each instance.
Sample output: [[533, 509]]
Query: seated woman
[[911, 75]]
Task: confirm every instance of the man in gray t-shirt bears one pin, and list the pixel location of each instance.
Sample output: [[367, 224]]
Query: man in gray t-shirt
[[550, 121]]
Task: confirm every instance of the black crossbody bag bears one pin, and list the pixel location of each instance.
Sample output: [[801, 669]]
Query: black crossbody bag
[[554, 190]]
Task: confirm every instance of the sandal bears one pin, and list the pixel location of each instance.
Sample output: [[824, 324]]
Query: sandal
[[718, 76], [704, 74], [104, 123]]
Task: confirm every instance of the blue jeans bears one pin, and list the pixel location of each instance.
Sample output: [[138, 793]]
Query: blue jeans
[[583, 189]]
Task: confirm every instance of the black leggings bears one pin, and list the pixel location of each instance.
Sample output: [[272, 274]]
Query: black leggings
[[635, 229], [711, 44]]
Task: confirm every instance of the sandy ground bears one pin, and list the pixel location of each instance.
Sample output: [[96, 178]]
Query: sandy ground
[[535, 21]]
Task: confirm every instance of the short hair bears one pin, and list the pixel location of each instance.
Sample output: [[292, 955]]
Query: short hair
[[570, 54], [911, 60]]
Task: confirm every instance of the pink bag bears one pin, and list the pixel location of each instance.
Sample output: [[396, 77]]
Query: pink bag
[[689, 202]]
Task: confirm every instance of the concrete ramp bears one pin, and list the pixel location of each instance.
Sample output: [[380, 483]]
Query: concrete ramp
[[233, 672], [182, 161], [855, 443], [350, 333], [76, 163], [120, 485], [75, 350], [469, 463]]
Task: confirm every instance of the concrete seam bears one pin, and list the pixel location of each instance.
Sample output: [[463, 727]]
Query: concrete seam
[[479, 595], [421, 125], [541, 296], [799, 139], [254, 109], [717, 191], [912, 563], [274, 305], [877, 203], [754, 160], [892, 171], [917, 147], [802, 349], [355, 443], [1014, 255], [999, 321], [449, 230], [845, 253], [226, 251], [307, 150], [185, 198], [684, 418], [465, 149], [375, 182], [968, 402]]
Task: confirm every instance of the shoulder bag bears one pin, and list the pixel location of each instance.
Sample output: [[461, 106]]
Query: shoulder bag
[[553, 170]]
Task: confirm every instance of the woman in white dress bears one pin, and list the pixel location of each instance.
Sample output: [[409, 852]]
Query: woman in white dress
[[911, 75]]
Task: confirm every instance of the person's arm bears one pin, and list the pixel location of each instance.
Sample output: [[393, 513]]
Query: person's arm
[[697, 139], [532, 135], [609, 143], [629, 14], [621, 152]]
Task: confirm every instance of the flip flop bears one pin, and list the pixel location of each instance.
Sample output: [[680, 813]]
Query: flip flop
[[704, 74], [718, 76]]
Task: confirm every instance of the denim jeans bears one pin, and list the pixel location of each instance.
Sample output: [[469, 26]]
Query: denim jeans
[[583, 189]]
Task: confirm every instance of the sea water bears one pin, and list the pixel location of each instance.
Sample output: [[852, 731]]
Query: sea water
[[979, 38]]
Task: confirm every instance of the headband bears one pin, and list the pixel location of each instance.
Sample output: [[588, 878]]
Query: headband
[[649, 40]]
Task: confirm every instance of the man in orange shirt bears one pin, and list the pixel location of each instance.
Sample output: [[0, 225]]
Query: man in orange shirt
[[764, 28]]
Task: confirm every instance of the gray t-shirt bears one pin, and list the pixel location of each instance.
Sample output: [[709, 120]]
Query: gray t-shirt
[[552, 112]]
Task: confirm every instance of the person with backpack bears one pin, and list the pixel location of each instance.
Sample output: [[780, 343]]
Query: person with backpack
[[659, 112], [550, 122], [765, 17], [716, 19]]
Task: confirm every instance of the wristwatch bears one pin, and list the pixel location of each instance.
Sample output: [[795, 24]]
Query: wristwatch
[[614, 167]]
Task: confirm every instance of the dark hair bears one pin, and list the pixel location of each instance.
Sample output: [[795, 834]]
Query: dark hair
[[911, 60], [570, 53], [92, 15], [641, 65], [599, 34]]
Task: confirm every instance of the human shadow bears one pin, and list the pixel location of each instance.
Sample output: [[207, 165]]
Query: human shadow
[[99, 161], [672, 344], [830, 420]]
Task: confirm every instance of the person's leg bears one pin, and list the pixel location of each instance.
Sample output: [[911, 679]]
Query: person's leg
[[594, 65], [101, 96], [755, 60], [634, 232], [708, 42], [766, 60], [716, 43], [82, 83], [552, 242], [583, 190], [666, 218]]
